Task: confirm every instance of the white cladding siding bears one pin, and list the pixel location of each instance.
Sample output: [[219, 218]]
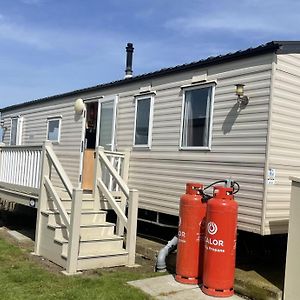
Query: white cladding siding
[[284, 145], [35, 130], [238, 148], [238, 141]]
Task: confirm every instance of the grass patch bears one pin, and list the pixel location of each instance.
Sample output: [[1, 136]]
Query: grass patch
[[21, 278]]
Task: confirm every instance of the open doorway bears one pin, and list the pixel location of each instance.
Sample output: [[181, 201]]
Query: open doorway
[[100, 130], [89, 145]]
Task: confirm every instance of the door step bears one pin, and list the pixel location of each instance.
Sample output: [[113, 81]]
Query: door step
[[106, 243], [87, 217], [100, 260], [87, 232]]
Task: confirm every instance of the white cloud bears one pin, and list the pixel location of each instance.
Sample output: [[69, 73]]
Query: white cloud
[[10, 31]]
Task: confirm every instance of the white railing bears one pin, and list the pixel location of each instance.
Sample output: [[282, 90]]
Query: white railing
[[21, 165], [105, 163], [119, 161], [72, 221]]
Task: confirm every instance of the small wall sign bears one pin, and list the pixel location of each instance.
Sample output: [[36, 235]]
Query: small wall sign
[[271, 176]]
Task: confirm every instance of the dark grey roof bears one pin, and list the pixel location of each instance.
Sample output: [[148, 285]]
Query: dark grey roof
[[275, 46]]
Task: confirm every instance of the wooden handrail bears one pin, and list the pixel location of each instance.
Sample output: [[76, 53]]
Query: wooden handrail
[[62, 211], [114, 173], [131, 196], [21, 147], [60, 170], [114, 153], [71, 222], [112, 202]]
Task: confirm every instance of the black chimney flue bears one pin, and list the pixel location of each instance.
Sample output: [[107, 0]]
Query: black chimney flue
[[129, 51]]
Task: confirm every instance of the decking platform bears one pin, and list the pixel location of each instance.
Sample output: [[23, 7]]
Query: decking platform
[[71, 226]]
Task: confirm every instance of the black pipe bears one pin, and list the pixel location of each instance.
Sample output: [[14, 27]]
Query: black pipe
[[129, 51]]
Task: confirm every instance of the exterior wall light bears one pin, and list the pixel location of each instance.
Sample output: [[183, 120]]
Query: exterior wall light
[[79, 106], [2, 125], [239, 91]]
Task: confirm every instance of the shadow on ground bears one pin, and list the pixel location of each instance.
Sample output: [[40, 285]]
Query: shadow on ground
[[263, 254], [22, 219]]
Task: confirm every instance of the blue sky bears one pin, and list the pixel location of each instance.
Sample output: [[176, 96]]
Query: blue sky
[[54, 46]]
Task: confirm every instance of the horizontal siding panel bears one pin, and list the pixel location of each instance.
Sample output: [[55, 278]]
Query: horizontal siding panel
[[163, 183], [202, 156]]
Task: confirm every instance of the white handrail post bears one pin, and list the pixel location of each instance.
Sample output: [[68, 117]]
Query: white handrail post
[[74, 234], [132, 226], [42, 201], [124, 174], [97, 174], [1, 145]]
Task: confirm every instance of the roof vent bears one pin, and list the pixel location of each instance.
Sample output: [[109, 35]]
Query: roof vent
[[129, 51]]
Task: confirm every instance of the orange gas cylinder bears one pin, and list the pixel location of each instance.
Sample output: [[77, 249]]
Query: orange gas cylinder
[[190, 247], [220, 243]]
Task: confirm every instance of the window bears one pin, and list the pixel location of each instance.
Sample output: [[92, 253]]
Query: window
[[53, 129], [196, 118], [143, 121], [16, 131]]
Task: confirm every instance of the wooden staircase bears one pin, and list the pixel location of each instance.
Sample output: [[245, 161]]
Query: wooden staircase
[[99, 246], [72, 230]]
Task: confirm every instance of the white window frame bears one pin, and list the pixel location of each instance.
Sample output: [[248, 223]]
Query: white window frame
[[58, 118], [149, 142], [19, 130], [196, 87], [101, 100]]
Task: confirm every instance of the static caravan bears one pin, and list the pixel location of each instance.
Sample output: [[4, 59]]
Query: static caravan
[[180, 124]]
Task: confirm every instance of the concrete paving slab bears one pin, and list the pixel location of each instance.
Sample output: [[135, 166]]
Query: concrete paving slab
[[247, 282], [166, 287], [18, 236]]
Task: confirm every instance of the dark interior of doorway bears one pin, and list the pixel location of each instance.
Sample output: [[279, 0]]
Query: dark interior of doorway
[[91, 125]]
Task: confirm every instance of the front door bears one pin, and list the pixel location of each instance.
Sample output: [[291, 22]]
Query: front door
[[100, 131]]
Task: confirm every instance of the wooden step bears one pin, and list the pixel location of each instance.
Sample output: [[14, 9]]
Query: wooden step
[[86, 204], [89, 204], [87, 232], [100, 260], [63, 194], [87, 217], [96, 231], [105, 244], [87, 200], [85, 197]]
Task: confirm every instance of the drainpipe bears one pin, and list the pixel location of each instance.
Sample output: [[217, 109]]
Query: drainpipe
[[163, 253], [129, 51]]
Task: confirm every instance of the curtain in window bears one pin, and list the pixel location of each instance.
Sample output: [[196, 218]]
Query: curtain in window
[[207, 118], [53, 130], [142, 121], [188, 132], [106, 125], [196, 117], [14, 131]]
